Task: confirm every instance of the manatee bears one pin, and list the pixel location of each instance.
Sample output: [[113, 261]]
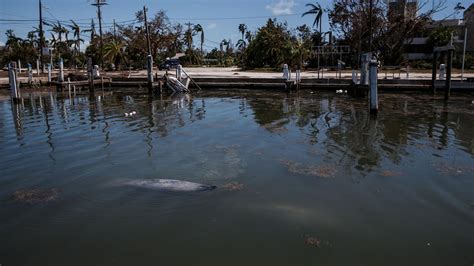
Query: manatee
[[169, 185]]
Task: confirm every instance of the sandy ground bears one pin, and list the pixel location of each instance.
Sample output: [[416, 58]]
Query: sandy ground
[[235, 72]]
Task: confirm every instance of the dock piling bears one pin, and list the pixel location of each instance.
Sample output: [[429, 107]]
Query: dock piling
[[433, 72], [286, 72], [49, 73], [364, 65], [30, 74], [61, 70], [13, 81], [149, 60], [69, 87], [447, 91], [442, 72], [298, 79], [374, 105], [90, 74]]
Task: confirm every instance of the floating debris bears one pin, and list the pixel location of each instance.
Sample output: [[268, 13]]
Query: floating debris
[[130, 114], [390, 173], [233, 186], [325, 171], [312, 241], [452, 170], [35, 195]]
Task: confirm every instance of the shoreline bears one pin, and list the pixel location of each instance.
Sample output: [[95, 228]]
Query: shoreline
[[234, 78]]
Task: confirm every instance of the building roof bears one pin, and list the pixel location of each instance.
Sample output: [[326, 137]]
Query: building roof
[[178, 55], [446, 23], [470, 8]]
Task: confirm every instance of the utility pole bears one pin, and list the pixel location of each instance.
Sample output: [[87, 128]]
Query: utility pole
[[98, 4], [370, 24], [115, 32], [41, 36], [147, 32]]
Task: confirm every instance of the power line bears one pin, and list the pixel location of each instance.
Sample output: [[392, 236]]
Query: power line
[[234, 18], [19, 20], [47, 10], [211, 41]]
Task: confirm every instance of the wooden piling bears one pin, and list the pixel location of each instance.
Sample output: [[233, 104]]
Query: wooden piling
[[447, 91], [13, 82], [442, 72], [374, 105], [69, 87], [286, 72], [150, 72], [61, 70], [298, 79], [365, 60], [449, 50], [90, 75], [30, 74], [49, 73], [433, 72], [288, 85]]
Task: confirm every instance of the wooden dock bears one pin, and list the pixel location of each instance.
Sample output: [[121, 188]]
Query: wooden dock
[[108, 83]]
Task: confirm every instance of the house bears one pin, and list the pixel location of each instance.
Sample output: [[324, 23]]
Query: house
[[417, 48]]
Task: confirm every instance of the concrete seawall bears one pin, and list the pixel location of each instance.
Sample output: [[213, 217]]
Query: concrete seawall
[[231, 78]]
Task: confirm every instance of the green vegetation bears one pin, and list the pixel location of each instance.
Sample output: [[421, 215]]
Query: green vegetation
[[270, 46]]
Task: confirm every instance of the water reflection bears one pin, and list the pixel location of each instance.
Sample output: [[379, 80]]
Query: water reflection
[[297, 164], [337, 125]]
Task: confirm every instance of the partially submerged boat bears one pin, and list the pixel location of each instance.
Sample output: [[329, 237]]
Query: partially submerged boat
[[177, 85]]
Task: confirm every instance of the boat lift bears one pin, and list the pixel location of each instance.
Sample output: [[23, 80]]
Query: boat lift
[[179, 84]]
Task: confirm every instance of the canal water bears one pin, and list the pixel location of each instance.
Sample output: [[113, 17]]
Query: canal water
[[303, 179]]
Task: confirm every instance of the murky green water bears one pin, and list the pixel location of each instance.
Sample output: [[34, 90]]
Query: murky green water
[[316, 181]]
